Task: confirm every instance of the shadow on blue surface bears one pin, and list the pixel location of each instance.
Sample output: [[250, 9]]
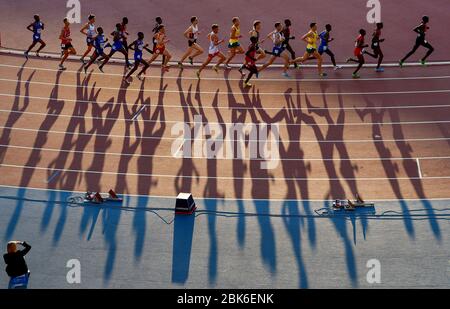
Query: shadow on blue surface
[[294, 220], [182, 246]]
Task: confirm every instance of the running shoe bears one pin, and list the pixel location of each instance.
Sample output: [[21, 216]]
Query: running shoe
[[215, 68], [82, 61], [355, 75], [85, 69], [180, 65], [228, 67], [126, 80], [198, 74], [140, 77], [348, 60], [242, 72], [323, 74], [191, 60], [422, 62], [61, 67], [401, 63], [379, 70], [26, 55], [101, 69], [37, 55], [285, 74], [248, 85], [337, 67]]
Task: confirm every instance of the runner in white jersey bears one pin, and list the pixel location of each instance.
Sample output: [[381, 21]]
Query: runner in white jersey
[[213, 50], [90, 32], [194, 49], [278, 50]]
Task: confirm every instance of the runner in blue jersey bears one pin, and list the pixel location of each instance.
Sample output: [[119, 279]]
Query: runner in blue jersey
[[324, 47], [36, 27], [117, 46], [99, 45], [138, 46]]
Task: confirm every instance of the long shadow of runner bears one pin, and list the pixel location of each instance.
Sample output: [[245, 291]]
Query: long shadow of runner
[[335, 139], [336, 190], [211, 189], [16, 111], [390, 168], [154, 126], [68, 180], [101, 144], [293, 169], [411, 169], [184, 225], [238, 115], [111, 215], [260, 191], [183, 182], [54, 108]]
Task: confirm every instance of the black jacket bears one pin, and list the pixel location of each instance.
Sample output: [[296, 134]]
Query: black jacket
[[15, 262]]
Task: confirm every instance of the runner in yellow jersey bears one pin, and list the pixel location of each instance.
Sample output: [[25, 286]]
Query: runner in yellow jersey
[[233, 44], [311, 39]]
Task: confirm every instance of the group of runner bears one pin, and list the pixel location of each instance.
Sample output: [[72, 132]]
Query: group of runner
[[317, 44]]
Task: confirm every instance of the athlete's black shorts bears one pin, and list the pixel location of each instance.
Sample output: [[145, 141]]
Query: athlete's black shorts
[[192, 42], [66, 46]]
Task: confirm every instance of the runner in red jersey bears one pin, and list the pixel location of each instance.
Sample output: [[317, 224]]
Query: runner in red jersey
[[359, 52], [160, 49], [66, 43], [123, 30], [250, 60]]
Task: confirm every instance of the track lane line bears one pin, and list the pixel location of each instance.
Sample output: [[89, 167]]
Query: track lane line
[[229, 140], [281, 80], [113, 102], [231, 159], [227, 199], [371, 93], [281, 124], [222, 177]]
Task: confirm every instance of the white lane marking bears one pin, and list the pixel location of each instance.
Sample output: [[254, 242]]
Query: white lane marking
[[113, 102], [281, 124], [228, 140], [418, 168], [282, 80], [372, 93], [219, 177], [178, 150], [135, 115], [53, 176], [71, 151], [11, 51], [171, 197]]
